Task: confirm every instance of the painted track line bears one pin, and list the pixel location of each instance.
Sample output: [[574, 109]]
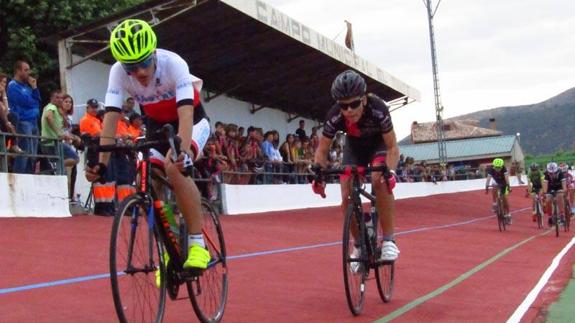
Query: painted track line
[[524, 306], [408, 307], [247, 255]]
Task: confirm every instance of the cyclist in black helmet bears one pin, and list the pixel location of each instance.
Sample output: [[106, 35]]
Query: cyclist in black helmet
[[534, 185], [370, 139]]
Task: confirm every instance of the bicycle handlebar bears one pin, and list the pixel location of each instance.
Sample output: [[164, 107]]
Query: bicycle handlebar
[[171, 141], [352, 169]]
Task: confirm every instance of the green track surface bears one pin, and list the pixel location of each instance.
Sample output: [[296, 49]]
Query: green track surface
[[563, 310]]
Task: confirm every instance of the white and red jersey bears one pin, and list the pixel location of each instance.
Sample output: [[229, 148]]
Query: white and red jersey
[[172, 86]]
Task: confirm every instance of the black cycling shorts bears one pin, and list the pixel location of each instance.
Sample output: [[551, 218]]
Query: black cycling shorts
[[353, 155]]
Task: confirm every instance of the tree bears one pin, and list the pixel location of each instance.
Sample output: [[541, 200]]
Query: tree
[[24, 24]]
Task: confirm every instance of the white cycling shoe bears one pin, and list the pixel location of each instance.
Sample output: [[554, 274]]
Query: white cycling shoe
[[389, 251]]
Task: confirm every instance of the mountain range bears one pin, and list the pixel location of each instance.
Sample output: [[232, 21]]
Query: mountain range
[[546, 127]]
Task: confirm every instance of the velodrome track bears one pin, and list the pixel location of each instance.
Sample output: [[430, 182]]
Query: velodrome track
[[454, 266]]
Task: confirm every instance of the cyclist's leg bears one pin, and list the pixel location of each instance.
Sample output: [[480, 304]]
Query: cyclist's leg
[[385, 204], [385, 201], [345, 181], [549, 206], [561, 204], [188, 199], [504, 193]]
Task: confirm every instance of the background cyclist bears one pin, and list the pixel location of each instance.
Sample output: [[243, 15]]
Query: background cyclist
[[370, 139], [161, 83], [534, 184], [570, 184], [498, 172], [554, 181]]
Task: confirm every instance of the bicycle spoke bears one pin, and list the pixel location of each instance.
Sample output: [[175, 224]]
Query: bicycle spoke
[[134, 259], [208, 292]]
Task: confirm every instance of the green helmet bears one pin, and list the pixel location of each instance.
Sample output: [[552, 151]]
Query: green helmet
[[132, 41], [498, 162]]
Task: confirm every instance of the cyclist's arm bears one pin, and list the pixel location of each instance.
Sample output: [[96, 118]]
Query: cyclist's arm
[[186, 124], [564, 185], [507, 182], [392, 157], [108, 133], [545, 186], [322, 151], [487, 181]]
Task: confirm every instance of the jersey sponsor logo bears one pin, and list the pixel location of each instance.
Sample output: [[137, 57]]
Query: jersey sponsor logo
[[184, 84], [167, 95], [114, 91]]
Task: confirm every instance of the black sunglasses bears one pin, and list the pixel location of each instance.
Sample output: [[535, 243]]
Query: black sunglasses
[[353, 104]]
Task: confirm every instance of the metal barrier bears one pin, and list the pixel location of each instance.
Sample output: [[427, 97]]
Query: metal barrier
[[5, 155]]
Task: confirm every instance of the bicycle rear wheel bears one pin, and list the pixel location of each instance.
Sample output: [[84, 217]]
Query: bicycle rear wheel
[[354, 270], [539, 214], [567, 216], [555, 217], [134, 259], [209, 292]]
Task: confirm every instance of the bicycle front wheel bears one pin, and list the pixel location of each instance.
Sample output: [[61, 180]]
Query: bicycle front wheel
[[354, 271], [209, 291], [384, 273], [501, 221], [539, 215], [134, 259]]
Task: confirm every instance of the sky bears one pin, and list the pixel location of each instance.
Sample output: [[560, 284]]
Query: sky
[[490, 53]]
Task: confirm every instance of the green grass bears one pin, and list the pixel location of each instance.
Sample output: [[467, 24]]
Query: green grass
[[566, 157]]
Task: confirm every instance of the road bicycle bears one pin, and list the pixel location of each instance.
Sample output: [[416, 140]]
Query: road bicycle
[[148, 247], [362, 231]]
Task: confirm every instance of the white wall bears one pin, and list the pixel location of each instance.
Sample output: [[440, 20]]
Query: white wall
[[86, 81], [228, 110], [33, 196], [241, 199]]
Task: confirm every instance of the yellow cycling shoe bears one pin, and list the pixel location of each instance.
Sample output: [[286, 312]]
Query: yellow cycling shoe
[[158, 273], [198, 258]]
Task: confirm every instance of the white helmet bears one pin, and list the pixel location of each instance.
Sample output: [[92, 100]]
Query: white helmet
[[552, 167]]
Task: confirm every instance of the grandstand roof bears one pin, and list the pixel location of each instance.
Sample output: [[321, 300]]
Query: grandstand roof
[[466, 149], [244, 49]]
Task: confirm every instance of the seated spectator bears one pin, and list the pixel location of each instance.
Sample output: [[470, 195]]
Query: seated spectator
[[210, 166], [233, 154], [252, 155], [300, 132], [72, 140], [301, 162], [8, 120], [54, 129], [135, 128], [269, 154], [288, 160]]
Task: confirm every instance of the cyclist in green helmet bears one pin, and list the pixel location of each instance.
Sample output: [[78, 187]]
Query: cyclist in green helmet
[[160, 81], [498, 173]]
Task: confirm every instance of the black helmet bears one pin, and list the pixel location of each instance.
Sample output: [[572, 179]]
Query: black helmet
[[347, 85], [92, 103]]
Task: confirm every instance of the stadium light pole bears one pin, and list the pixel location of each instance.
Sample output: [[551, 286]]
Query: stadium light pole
[[438, 106]]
